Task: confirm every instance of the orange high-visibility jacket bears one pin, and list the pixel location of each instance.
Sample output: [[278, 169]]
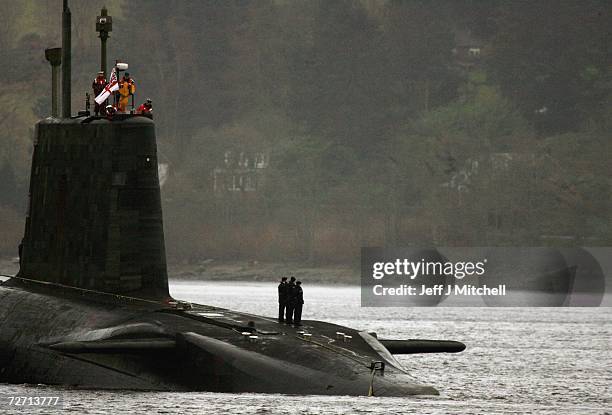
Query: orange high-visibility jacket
[[127, 88]]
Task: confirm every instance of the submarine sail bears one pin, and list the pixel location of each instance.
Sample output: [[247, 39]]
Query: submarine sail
[[94, 219]]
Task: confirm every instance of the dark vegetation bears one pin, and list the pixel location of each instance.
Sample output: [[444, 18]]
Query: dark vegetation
[[304, 130]]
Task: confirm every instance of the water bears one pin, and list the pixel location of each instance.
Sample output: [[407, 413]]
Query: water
[[518, 360]]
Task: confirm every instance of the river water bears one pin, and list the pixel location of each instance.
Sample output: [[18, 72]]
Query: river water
[[518, 360]]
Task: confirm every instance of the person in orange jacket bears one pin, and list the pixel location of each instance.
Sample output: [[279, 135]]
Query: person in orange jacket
[[127, 87]]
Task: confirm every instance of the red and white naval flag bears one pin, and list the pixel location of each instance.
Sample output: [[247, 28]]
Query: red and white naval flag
[[112, 85]]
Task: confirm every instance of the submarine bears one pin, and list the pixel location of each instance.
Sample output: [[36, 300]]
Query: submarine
[[90, 306]]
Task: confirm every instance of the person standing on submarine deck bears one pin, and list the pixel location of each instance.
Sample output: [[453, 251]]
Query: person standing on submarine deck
[[290, 303], [282, 299], [298, 304]]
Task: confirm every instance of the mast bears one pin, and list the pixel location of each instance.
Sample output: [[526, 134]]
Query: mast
[[104, 25], [66, 60]]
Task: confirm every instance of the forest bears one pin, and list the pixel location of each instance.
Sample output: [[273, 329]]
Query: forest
[[304, 130]]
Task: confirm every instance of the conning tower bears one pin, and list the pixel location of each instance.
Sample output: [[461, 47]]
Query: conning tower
[[94, 218]]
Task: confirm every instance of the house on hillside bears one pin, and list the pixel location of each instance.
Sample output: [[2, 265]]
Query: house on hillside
[[240, 172], [468, 49]]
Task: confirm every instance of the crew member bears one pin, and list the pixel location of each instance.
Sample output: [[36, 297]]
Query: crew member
[[299, 303], [290, 301], [282, 299], [147, 108], [110, 111], [98, 86], [127, 88]]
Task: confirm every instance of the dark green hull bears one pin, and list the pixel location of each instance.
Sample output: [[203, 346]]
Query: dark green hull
[[85, 341]]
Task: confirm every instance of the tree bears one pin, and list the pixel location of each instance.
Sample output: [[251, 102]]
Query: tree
[[418, 46], [337, 87], [553, 60]]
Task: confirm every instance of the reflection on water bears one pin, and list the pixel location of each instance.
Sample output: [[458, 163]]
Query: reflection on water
[[518, 360]]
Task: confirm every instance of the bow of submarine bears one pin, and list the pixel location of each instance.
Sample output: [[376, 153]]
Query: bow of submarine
[[304, 360]]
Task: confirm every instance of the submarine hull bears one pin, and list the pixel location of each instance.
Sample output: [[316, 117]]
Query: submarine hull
[[68, 339]]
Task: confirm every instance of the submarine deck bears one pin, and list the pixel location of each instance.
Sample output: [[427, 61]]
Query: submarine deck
[[165, 347]]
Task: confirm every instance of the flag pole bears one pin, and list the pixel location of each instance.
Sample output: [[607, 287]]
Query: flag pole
[[116, 96]]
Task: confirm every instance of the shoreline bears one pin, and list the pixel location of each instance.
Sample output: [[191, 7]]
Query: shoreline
[[254, 271], [212, 270]]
